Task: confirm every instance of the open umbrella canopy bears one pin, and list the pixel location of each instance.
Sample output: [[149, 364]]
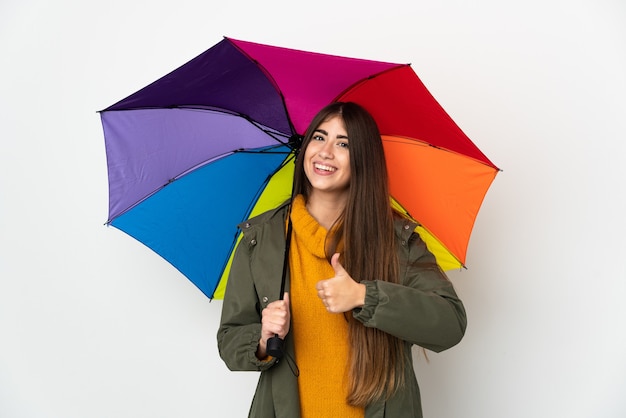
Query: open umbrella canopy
[[211, 144]]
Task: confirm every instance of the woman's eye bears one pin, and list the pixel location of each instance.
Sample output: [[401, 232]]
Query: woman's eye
[[318, 138], [344, 145]]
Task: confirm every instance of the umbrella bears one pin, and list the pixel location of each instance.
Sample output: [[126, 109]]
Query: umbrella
[[212, 143]]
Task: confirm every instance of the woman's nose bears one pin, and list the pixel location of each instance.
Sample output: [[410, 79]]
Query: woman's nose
[[326, 152]]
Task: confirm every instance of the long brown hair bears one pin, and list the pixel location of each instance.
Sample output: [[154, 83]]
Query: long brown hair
[[377, 359]]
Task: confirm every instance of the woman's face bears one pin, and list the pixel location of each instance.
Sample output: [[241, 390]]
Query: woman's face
[[327, 158]]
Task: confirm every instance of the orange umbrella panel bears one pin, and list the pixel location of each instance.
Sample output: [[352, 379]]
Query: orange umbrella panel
[[440, 189]]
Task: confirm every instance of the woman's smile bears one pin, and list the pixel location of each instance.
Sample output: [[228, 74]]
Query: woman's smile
[[324, 168]]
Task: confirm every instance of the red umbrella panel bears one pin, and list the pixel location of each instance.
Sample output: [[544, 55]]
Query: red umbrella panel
[[210, 144]]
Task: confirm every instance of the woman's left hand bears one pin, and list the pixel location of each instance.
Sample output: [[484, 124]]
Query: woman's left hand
[[340, 293]]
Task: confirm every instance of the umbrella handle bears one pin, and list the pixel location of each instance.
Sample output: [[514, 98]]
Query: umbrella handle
[[275, 347]]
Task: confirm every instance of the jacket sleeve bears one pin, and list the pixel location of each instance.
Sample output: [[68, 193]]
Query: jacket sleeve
[[424, 309], [240, 326]]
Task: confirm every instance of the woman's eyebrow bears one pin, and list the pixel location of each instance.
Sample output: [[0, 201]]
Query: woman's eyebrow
[[326, 133]]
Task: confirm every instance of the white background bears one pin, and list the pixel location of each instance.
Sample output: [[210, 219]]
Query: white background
[[92, 324]]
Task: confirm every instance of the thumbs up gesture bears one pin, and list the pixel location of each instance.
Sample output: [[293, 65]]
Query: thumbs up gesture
[[340, 293]]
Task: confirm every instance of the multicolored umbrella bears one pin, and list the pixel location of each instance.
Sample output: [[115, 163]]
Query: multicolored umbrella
[[211, 144]]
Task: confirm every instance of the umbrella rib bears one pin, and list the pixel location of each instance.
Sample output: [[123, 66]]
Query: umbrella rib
[[270, 77], [267, 150], [419, 143], [263, 185], [248, 211], [276, 135], [294, 141], [395, 203], [366, 79]]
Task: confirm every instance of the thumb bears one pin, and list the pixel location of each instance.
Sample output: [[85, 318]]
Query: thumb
[[334, 261], [286, 298]]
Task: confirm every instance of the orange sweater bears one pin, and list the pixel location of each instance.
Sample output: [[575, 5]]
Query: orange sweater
[[320, 338]]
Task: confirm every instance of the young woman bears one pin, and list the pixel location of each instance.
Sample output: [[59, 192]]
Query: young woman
[[362, 287]]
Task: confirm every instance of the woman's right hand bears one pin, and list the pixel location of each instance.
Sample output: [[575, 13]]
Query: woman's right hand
[[275, 320]]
